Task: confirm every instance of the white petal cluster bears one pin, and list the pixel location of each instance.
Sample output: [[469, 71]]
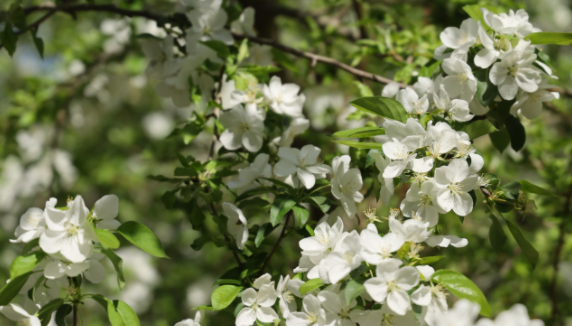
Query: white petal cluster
[[511, 63], [258, 302]]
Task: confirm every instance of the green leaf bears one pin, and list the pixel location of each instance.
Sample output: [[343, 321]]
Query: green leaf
[[382, 106], [196, 217], [486, 90], [516, 131], [38, 42], [528, 250], [357, 144], [511, 190], [549, 38], [200, 242], [310, 286], [404, 250], [61, 314], [364, 90], [429, 260], [320, 202], [223, 296], [256, 202], [120, 314], [117, 264], [534, 189], [242, 51], [362, 132], [107, 239], [479, 128], [301, 214], [169, 199], [9, 39], [463, 288], [220, 48], [251, 192], [203, 308], [370, 159], [497, 237], [500, 139], [354, 288], [26, 263], [10, 290], [45, 314], [140, 235], [264, 230], [281, 205]]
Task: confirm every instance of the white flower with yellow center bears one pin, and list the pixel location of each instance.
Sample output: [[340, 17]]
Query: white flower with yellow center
[[421, 201], [258, 304], [460, 39], [69, 232], [312, 313], [375, 248], [460, 81], [455, 182], [302, 163], [346, 184], [432, 297], [32, 223], [515, 71], [412, 103], [284, 98], [244, 127], [345, 257], [391, 284], [286, 289]]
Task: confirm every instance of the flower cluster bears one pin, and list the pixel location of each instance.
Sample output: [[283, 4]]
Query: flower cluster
[[498, 46], [63, 247], [465, 313]]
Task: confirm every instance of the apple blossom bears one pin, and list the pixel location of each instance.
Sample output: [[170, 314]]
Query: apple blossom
[[245, 126], [455, 183], [236, 224], [313, 313], [258, 304], [460, 81], [283, 98], [250, 176], [346, 183], [20, 315], [301, 163], [375, 248], [514, 71]]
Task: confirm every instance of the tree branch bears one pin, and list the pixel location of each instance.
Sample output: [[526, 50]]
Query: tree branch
[[315, 58], [275, 245], [557, 254]]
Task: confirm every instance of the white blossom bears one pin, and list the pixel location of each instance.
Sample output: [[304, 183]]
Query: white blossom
[[249, 177], [286, 289], [317, 247], [411, 230], [69, 232], [421, 201], [455, 183], [446, 240], [56, 269], [18, 314], [105, 211], [530, 104], [514, 71], [337, 310], [283, 98], [191, 322], [32, 223], [312, 314], [460, 39], [463, 313], [387, 187], [209, 25], [344, 258], [375, 248], [297, 126], [236, 224], [411, 101], [460, 81], [433, 299], [346, 183], [390, 90], [391, 284], [457, 109], [301, 163], [492, 49], [258, 304], [515, 24], [245, 23], [244, 127], [517, 315]]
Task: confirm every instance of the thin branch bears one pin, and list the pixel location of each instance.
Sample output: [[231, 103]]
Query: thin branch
[[557, 254], [315, 58], [358, 10], [275, 245]]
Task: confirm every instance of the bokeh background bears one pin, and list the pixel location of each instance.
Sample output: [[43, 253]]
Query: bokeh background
[[85, 120]]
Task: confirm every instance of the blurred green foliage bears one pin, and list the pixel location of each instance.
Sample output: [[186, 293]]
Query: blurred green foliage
[[108, 117]]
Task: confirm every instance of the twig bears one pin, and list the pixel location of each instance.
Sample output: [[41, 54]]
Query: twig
[[358, 10], [275, 245], [557, 254], [318, 58]]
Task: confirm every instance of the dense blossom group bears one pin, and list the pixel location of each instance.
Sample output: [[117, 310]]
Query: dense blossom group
[[425, 151], [438, 161]]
